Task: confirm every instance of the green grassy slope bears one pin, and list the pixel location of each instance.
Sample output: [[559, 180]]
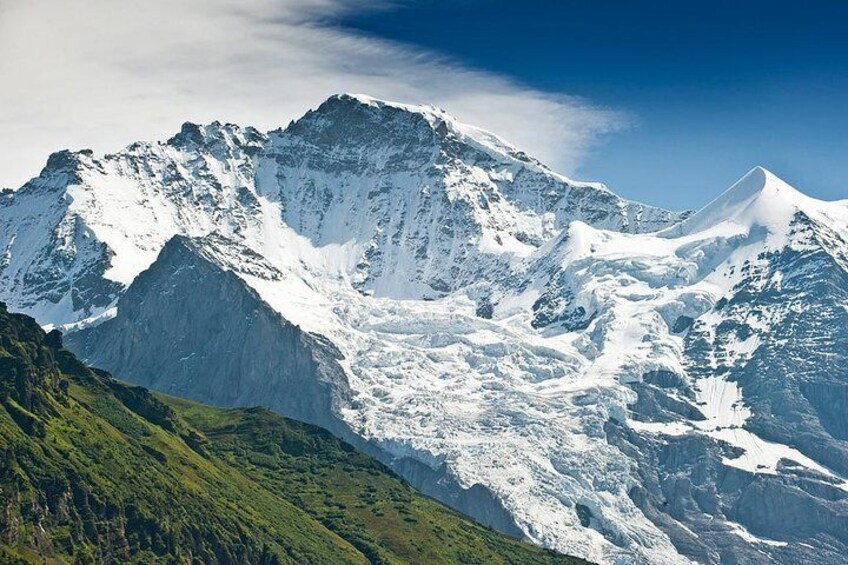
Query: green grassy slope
[[92, 470]]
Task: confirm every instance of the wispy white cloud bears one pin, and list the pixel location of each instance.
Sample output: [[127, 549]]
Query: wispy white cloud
[[103, 73]]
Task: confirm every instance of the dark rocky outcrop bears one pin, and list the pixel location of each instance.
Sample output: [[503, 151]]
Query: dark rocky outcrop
[[189, 328]]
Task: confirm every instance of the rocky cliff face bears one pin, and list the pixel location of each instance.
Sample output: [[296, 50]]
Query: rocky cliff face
[[191, 329], [608, 379]]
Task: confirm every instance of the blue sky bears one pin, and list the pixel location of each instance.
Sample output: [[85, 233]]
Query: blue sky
[[712, 88]]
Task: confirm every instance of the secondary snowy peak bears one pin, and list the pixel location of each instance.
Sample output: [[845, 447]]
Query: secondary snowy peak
[[758, 199], [757, 217]]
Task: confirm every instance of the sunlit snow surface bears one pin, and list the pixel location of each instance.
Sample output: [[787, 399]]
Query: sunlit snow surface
[[514, 402]]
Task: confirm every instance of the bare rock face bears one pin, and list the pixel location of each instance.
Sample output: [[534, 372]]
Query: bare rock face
[[188, 328]]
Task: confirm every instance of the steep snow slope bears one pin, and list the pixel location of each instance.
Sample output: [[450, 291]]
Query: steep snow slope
[[649, 397]]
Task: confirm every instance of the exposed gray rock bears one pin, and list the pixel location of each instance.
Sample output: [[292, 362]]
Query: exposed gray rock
[[188, 328], [690, 494]]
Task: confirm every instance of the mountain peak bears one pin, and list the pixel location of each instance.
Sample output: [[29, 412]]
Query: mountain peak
[[757, 181], [193, 134], [378, 120], [752, 182], [354, 104], [366, 100], [758, 198], [402, 125]]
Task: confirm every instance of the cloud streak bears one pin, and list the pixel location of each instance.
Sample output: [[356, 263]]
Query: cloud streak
[[104, 73]]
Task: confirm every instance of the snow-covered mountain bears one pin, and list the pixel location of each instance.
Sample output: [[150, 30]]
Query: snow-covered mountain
[[402, 201], [605, 378]]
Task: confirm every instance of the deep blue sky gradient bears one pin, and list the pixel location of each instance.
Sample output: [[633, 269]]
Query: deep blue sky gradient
[[715, 87]]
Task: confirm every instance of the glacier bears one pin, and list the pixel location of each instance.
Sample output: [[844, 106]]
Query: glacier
[[625, 383]]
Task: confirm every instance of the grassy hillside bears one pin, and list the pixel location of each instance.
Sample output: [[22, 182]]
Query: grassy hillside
[[92, 470]]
